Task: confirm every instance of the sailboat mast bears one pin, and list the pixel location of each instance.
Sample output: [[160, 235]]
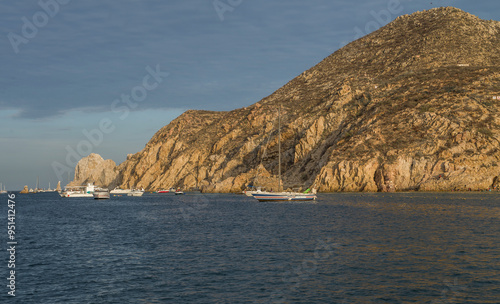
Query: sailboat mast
[[279, 148]]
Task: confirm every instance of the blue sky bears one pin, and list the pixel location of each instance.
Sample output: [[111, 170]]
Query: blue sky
[[70, 67]]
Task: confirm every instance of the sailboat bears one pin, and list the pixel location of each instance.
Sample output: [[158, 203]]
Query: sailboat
[[263, 196], [37, 189], [2, 190]]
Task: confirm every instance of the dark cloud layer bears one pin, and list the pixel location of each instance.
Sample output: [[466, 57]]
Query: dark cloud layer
[[90, 52]]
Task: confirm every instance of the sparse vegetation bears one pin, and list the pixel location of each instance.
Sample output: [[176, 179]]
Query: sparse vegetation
[[426, 108], [391, 159], [485, 131], [469, 152]]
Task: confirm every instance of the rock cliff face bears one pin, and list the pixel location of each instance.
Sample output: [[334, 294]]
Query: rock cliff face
[[411, 106], [94, 169], [25, 190]]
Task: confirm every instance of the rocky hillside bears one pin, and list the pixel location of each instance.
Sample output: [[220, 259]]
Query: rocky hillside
[[411, 106]]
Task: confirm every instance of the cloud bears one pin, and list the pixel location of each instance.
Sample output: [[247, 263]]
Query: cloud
[[92, 51]]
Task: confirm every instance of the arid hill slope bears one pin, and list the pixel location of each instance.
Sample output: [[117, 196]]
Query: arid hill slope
[[408, 107]]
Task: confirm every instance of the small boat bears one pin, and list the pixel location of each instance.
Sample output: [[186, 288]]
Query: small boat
[[2, 191], [136, 192], [79, 191], [179, 192], [100, 193], [165, 191]]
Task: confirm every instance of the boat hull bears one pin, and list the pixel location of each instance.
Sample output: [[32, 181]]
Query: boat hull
[[101, 195], [264, 197], [76, 194], [251, 192]]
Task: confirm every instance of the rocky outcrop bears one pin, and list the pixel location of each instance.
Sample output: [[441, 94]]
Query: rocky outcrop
[[411, 106], [94, 169], [25, 190]]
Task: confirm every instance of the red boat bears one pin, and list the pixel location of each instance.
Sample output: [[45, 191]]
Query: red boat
[[171, 190]]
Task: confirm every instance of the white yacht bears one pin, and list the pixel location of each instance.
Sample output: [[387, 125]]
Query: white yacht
[[101, 193], [79, 191], [136, 192]]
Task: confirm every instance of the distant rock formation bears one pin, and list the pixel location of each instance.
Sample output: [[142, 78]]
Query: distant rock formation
[[94, 169], [25, 190], [412, 106]]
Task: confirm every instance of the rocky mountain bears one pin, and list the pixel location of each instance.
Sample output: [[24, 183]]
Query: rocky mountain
[[411, 106]]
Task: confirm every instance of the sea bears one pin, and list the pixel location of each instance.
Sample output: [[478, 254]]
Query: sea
[[213, 248]]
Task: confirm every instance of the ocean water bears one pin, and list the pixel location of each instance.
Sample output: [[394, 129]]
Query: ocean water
[[344, 248]]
